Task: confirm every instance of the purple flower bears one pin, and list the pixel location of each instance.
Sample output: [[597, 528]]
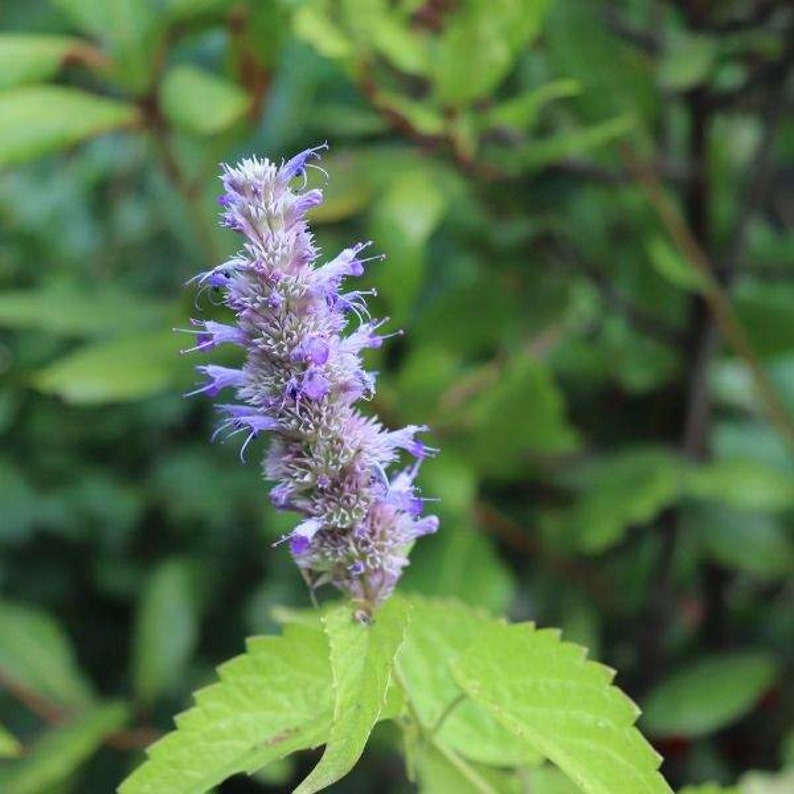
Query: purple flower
[[301, 379]]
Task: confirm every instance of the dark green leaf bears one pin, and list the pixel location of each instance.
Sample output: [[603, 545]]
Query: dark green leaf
[[708, 695]]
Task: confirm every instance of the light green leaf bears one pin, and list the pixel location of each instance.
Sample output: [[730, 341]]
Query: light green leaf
[[570, 144], [66, 311], [362, 657], [561, 705], [710, 694], [132, 30], [422, 116], [37, 120], [166, 629], [269, 702], [62, 750], [399, 44], [200, 102], [9, 746], [742, 483], [688, 62], [521, 413], [441, 630], [28, 58], [671, 265], [125, 368], [36, 653], [313, 23], [479, 46]]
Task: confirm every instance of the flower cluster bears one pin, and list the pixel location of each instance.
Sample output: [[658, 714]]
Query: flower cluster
[[301, 380]]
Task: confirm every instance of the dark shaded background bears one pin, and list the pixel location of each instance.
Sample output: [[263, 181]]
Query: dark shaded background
[[585, 209]]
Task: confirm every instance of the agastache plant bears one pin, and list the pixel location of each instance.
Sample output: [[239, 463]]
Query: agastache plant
[[301, 381]]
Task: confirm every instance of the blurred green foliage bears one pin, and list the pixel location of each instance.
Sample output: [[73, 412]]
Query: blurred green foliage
[[609, 463]]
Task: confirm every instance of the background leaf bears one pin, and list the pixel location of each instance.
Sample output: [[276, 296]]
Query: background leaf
[[166, 629], [38, 120], [707, 696]]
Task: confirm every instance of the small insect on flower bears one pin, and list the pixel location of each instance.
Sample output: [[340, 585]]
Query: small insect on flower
[[303, 375]]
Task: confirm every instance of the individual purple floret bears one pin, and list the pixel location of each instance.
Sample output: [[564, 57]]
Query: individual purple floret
[[301, 379]]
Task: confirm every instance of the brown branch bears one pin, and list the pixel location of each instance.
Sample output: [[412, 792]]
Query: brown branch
[[498, 525], [715, 297], [135, 738]]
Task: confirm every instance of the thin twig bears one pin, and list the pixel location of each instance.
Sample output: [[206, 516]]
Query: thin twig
[[54, 714]]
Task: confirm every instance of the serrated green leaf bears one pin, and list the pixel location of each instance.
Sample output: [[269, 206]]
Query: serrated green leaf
[[9, 746], [125, 368], [708, 695], [166, 629], [271, 701], [202, 103], [28, 58], [362, 657], [37, 120], [563, 706], [61, 751], [442, 630], [66, 311], [37, 654]]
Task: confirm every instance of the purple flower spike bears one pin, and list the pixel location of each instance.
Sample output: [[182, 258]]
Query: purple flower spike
[[301, 380]]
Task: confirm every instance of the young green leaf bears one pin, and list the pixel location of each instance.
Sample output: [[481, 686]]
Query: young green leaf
[[271, 701], [362, 657], [166, 629], [62, 750], [563, 706], [708, 695], [36, 654], [37, 120]]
